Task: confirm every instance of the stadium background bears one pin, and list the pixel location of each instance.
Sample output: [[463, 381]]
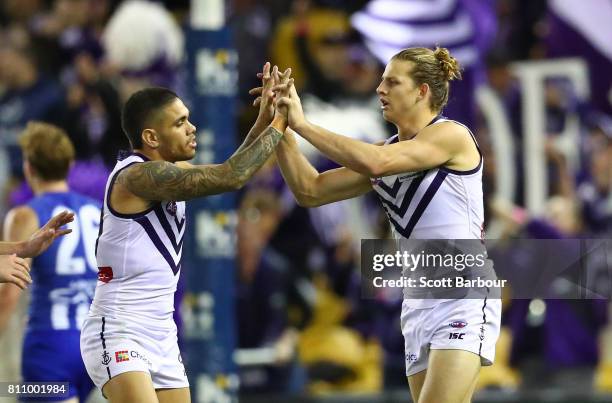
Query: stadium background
[[269, 305]]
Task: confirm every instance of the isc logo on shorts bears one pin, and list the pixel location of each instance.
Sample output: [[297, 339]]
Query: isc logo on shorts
[[121, 356]]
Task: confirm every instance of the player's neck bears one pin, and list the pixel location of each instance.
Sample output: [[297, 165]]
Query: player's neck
[[411, 126], [40, 187], [151, 154]]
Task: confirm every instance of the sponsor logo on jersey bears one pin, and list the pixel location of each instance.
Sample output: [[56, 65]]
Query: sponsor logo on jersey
[[136, 354], [105, 274], [121, 356], [105, 358], [481, 336], [411, 357], [458, 324]]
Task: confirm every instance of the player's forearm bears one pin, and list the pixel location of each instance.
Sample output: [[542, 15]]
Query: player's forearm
[[8, 248], [246, 161], [297, 171], [259, 126], [354, 154]]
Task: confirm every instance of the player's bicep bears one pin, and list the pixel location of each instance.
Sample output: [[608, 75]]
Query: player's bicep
[[161, 180], [428, 150], [426, 154], [184, 164]]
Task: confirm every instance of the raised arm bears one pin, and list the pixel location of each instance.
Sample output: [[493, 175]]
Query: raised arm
[[40, 239], [21, 224], [443, 144], [310, 187], [433, 147], [161, 180]]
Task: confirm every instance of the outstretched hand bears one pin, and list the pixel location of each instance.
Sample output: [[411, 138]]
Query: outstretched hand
[[288, 101], [44, 237], [281, 79], [14, 269], [265, 97]]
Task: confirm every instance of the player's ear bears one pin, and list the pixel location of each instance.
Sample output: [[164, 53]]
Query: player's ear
[[150, 137], [423, 90]]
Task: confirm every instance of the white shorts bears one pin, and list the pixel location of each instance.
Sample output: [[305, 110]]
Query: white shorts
[[462, 324], [110, 347]]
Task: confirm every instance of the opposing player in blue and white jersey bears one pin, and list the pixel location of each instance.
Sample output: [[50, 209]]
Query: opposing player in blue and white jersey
[[64, 276], [429, 180], [13, 266], [129, 341]]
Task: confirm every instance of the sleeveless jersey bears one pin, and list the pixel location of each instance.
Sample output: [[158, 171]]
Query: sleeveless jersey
[[438, 203], [139, 258], [64, 276]]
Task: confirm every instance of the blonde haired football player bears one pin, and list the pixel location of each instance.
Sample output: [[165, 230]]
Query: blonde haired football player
[[429, 179]]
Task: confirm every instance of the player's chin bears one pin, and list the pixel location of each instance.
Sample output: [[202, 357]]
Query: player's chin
[[191, 152], [186, 154]]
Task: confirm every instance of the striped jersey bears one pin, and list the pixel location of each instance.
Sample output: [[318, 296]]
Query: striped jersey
[[139, 258], [438, 203]]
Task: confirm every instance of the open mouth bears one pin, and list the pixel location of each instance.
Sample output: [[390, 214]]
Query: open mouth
[[384, 104]]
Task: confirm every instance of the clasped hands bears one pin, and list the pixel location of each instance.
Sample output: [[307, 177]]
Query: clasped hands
[[277, 96]]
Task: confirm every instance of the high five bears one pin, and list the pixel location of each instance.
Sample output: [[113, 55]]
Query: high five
[[429, 180]]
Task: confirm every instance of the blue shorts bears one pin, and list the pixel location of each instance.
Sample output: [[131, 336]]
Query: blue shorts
[[55, 356]]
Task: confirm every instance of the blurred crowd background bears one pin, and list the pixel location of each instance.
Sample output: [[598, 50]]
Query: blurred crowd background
[[74, 62]]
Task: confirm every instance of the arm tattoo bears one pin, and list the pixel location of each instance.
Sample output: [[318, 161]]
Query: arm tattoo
[[251, 136], [162, 180], [246, 161]]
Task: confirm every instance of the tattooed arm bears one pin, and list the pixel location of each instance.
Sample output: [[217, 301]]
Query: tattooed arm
[[258, 127], [162, 180]]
